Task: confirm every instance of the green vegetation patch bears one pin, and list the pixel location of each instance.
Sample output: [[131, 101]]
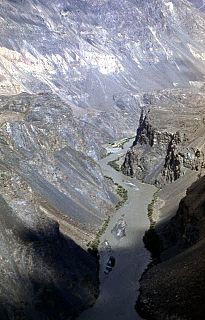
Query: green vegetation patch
[[123, 193], [150, 209], [114, 164], [105, 155], [109, 178], [151, 239], [94, 244], [120, 143]]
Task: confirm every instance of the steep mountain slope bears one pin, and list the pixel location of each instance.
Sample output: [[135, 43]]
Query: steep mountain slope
[[72, 77], [174, 289], [44, 275], [98, 55], [169, 151], [50, 193], [111, 48], [198, 4], [41, 142]]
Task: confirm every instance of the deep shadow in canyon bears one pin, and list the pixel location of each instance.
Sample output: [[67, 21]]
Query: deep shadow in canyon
[[173, 285], [51, 278]]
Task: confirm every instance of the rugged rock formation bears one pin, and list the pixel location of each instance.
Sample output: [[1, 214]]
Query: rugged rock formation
[[95, 57], [44, 275], [169, 139], [187, 227], [86, 41], [174, 289], [42, 143], [50, 194], [98, 55], [198, 4], [169, 151]]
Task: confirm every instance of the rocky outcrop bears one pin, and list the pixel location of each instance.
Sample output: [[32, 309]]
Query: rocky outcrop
[[169, 151], [163, 152], [187, 227], [174, 289], [178, 159]]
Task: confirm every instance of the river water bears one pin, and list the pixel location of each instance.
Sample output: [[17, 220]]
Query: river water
[[119, 289]]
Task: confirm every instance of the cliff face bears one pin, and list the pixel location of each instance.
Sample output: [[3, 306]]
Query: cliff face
[[169, 139], [98, 55], [169, 151], [187, 227], [44, 274], [174, 289]]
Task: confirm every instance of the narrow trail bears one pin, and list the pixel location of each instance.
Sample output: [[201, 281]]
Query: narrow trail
[[119, 289]]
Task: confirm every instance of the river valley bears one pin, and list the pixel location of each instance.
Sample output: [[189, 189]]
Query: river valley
[[122, 240]]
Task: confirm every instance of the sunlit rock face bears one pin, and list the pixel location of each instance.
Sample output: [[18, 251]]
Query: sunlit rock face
[[90, 51], [71, 73], [198, 4], [42, 144], [50, 193], [170, 137]]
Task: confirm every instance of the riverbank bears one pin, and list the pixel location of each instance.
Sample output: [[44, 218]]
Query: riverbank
[[173, 288], [119, 289]]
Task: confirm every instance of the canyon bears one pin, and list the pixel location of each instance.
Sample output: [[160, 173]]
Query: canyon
[[75, 77], [169, 152]]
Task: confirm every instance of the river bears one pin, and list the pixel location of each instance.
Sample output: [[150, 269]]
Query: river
[[119, 289]]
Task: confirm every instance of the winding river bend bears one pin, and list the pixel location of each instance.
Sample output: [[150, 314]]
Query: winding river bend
[[119, 289]]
